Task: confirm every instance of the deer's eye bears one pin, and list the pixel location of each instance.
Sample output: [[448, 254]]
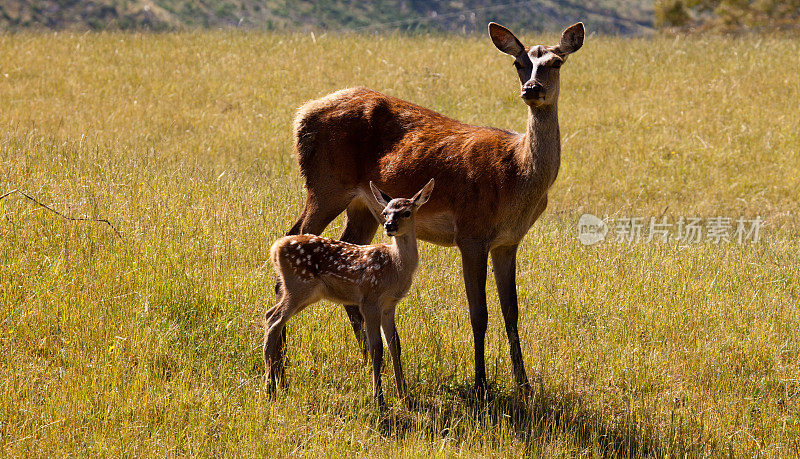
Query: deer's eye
[[517, 65], [556, 64], [407, 214]]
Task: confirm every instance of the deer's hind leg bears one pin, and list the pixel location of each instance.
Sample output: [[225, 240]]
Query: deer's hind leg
[[321, 207], [359, 229], [317, 214], [274, 337]]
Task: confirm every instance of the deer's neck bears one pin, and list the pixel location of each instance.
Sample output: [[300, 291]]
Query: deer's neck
[[541, 147], [406, 256]]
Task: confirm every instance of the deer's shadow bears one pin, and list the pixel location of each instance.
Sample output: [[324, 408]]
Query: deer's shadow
[[543, 413]]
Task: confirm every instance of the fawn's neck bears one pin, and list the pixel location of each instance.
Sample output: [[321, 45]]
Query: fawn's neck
[[542, 144], [405, 255]]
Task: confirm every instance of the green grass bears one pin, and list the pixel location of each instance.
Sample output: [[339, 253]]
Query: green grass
[[150, 344]]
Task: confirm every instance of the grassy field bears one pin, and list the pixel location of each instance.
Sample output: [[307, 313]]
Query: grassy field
[[149, 344]]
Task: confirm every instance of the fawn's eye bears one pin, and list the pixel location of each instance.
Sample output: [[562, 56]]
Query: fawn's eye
[[517, 65], [556, 64], [407, 214]]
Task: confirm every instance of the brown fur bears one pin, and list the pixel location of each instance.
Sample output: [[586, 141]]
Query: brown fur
[[357, 135]]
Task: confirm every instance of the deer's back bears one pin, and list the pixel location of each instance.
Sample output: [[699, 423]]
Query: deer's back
[[335, 270], [352, 136]]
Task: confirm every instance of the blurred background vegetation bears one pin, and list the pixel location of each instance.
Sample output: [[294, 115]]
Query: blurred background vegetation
[[727, 15], [625, 17], [465, 16]]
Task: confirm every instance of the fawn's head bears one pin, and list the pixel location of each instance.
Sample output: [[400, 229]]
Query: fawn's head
[[538, 66], [398, 214]]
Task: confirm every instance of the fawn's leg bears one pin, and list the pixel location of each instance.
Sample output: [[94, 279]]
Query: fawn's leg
[[272, 338], [372, 323], [393, 341], [274, 327]]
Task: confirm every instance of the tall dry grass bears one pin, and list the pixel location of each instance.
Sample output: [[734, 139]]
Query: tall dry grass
[[149, 344]]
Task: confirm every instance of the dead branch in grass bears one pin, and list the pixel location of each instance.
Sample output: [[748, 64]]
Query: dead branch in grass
[[74, 219]]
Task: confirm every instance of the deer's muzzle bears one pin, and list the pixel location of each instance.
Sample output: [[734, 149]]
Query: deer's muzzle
[[532, 91]]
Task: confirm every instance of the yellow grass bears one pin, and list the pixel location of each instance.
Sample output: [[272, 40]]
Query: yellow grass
[[150, 344]]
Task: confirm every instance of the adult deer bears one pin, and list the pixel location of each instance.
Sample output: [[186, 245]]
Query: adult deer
[[374, 277], [493, 183]]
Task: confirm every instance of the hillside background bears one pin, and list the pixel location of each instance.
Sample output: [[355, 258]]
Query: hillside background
[[467, 16]]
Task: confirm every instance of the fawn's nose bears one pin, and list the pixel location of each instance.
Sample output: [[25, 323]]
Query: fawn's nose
[[390, 227], [532, 91]]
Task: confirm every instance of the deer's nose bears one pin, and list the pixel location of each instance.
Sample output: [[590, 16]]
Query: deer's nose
[[532, 91], [390, 226]]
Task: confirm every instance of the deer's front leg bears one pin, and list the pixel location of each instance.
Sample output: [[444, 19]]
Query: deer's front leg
[[393, 341], [504, 261], [473, 257]]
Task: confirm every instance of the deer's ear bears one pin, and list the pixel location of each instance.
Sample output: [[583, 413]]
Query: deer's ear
[[505, 40], [382, 198], [571, 38], [423, 195]]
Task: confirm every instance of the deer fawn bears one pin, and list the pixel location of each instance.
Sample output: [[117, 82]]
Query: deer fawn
[[497, 181], [374, 277]]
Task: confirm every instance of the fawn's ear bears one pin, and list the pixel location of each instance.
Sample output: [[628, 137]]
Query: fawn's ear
[[382, 198], [571, 39], [423, 195], [505, 40]]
